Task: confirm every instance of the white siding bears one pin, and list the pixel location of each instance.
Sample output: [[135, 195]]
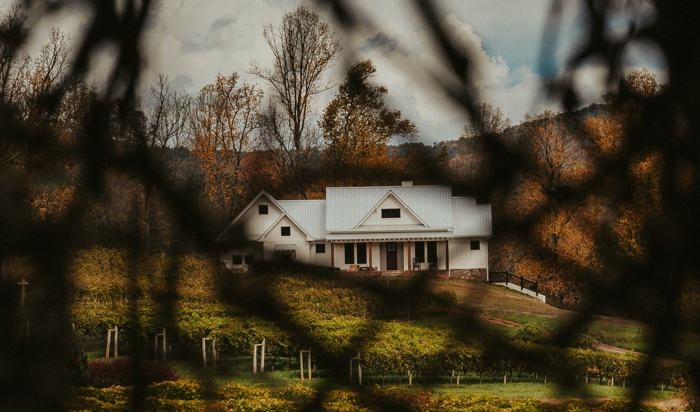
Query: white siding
[[321, 259], [442, 257], [254, 249], [375, 253], [256, 224], [461, 257], [400, 253], [375, 218], [297, 237]]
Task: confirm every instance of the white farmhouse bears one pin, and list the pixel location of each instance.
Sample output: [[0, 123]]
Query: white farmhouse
[[387, 228]]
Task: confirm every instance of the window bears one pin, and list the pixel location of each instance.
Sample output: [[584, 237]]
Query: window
[[349, 253], [237, 259], [420, 252], [362, 253], [249, 259], [286, 231], [262, 209], [432, 252], [391, 213], [320, 248], [474, 245]]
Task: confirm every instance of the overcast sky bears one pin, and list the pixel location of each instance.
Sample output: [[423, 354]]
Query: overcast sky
[[193, 40]]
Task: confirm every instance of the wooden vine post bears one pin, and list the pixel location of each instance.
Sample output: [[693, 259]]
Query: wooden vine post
[[261, 346], [301, 362], [163, 345], [214, 355], [359, 369], [114, 330]]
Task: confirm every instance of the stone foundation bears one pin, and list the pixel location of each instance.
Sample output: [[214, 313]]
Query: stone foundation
[[398, 273], [472, 274]]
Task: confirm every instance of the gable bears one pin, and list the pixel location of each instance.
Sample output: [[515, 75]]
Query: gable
[[274, 233], [348, 207], [252, 221], [391, 211]]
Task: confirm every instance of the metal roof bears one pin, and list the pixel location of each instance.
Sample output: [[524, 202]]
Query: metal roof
[[470, 219], [347, 206], [388, 237], [309, 214], [336, 218]]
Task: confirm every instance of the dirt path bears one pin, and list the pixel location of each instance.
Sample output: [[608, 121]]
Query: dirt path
[[674, 404], [503, 322]]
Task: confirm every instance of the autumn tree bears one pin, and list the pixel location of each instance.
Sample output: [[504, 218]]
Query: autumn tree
[[357, 125], [303, 48], [560, 245], [224, 116]]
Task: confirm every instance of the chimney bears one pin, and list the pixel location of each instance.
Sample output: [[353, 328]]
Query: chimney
[[407, 183]]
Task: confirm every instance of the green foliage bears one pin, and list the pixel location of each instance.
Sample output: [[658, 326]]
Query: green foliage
[[333, 315], [531, 333], [115, 398], [185, 390]]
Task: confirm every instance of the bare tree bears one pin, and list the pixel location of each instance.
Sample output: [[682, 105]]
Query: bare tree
[[304, 48], [485, 119], [167, 120]]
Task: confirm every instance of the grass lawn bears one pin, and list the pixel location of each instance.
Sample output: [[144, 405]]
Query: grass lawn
[[236, 370]]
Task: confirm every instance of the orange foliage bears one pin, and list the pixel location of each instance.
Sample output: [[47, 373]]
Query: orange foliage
[[224, 117]]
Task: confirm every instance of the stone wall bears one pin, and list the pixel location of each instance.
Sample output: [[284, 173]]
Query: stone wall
[[472, 274], [398, 273]]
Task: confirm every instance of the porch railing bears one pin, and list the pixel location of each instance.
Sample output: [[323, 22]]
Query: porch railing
[[508, 277]]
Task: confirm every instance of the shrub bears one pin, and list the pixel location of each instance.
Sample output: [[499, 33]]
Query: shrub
[[104, 374], [531, 333], [111, 399], [184, 390]]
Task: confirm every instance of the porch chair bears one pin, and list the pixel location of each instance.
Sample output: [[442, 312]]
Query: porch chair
[[416, 265]]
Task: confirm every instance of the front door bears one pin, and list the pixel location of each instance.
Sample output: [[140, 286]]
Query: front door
[[391, 256]]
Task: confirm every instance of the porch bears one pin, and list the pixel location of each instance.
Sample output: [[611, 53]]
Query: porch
[[391, 255], [469, 274]]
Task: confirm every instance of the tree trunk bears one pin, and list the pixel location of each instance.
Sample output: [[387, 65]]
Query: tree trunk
[[147, 220]]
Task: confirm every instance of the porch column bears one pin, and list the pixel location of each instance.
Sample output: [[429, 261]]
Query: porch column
[[370, 255], [447, 257], [410, 262], [332, 255]]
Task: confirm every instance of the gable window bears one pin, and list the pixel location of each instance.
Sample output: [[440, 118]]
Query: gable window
[[474, 244], [362, 253], [237, 259], [286, 231], [349, 253], [262, 209], [420, 252], [320, 248], [391, 213]]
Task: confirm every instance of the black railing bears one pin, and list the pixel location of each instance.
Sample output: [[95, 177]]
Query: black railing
[[508, 277]]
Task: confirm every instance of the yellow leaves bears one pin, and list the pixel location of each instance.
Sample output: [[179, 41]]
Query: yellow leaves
[[51, 202], [628, 230], [224, 117], [606, 133]]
